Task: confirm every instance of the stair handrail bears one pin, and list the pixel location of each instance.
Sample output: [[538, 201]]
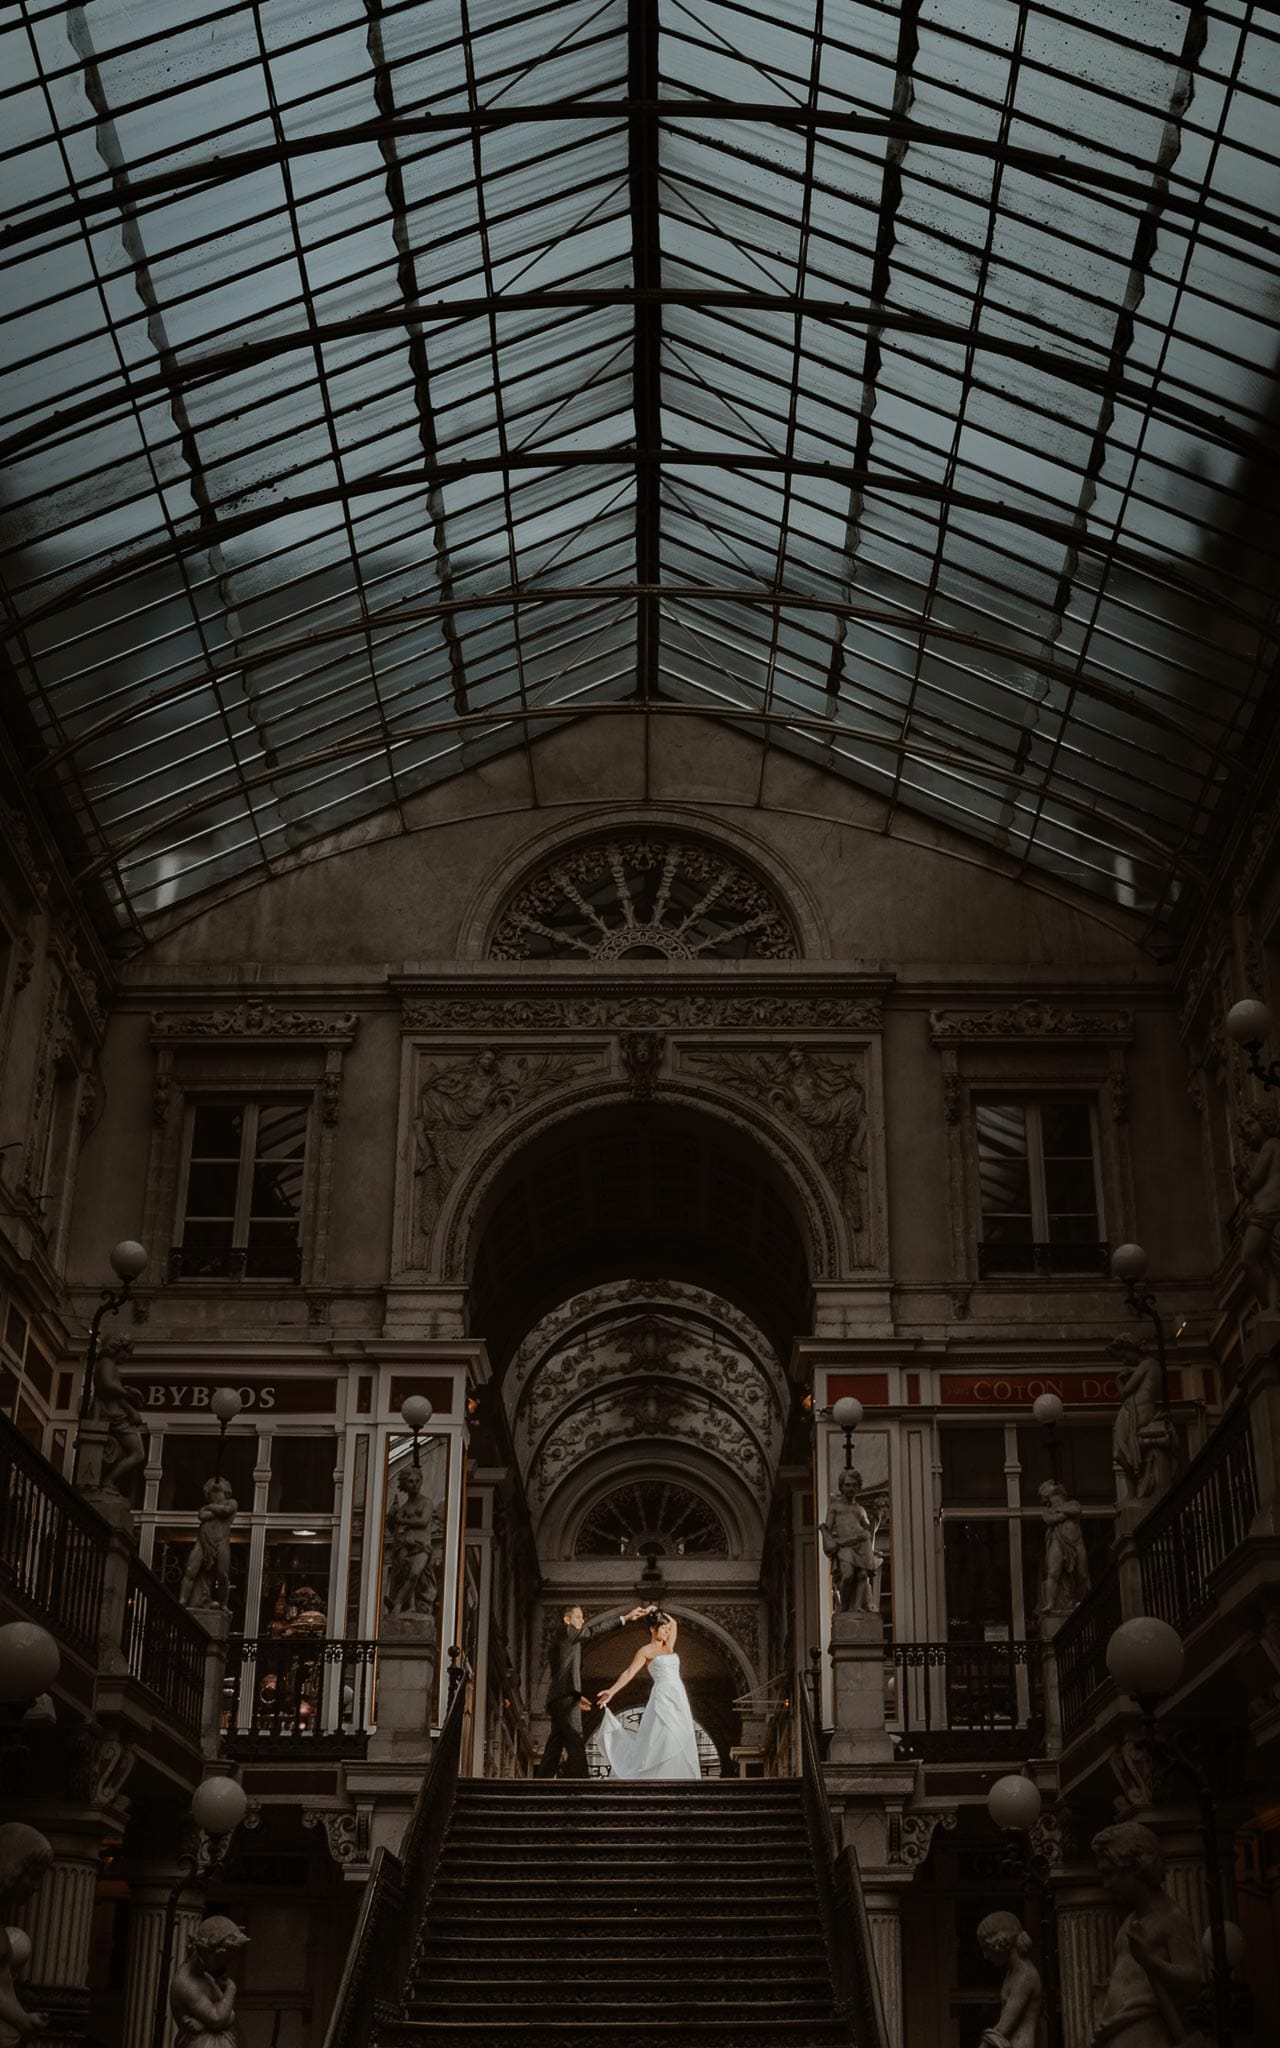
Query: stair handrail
[[843, 1908], [389, 1923]]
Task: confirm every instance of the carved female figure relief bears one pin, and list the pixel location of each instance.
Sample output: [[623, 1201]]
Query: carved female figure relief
[[1156, 1978], [202, 1997], [1003, 1939]]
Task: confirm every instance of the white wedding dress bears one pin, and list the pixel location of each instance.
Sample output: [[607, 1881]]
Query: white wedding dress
[[664, 1745]]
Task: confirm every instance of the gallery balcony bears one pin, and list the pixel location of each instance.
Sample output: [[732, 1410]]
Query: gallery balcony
[[1205, 1558], [965, 1702], [131, 1656], [298, 1697]]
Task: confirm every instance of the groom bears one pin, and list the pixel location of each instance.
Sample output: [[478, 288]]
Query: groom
[[565, 1699]]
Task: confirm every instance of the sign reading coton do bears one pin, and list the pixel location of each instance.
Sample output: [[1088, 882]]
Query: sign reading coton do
[[172, 1394], [1019, 1390]]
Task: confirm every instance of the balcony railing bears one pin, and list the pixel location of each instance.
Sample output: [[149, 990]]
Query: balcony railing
[[166, 1648], [294, 1692], [966, 1701], [1008, 1261], [1199, 1524], [235, 1262], [1081, 1647], [53, 1548]]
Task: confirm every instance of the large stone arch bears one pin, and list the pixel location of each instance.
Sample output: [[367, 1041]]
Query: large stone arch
[[482, 913], [663, 1458]]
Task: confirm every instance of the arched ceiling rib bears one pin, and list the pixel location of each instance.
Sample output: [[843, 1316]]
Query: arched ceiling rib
[[895, 380]]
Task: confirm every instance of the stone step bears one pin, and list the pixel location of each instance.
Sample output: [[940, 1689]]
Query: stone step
[[539, 2031], [638, 1863], [676, 2008], [681, 1894], [487, 1955], [699, 1984], [653, 1921]]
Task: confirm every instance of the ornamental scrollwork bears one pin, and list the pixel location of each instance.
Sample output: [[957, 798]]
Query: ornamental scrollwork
[[254, 1020], [661, 1012], [1029, 1020], [825, 1095], [457, 1097], [915, 1835], [645, 896]]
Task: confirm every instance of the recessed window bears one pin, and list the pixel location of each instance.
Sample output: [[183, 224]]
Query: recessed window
[[1038, 1185], [242, 1202]]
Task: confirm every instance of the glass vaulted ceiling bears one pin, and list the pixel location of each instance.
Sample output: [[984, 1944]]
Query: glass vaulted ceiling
[[385, 382]]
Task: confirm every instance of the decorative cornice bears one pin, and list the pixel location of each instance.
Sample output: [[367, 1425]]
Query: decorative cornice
[[254, 1020], [625, 1008], [1029, 1019]]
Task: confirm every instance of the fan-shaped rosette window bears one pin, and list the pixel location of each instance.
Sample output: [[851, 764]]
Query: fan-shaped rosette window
[[644, 897], [652, 1518]]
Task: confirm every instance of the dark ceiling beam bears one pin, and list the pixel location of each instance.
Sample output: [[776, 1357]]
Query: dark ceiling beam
[[646, 267], [216, 170], [1158, 568], [1099, 377]]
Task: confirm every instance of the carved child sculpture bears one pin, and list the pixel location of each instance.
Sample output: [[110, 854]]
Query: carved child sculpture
[[115, 1406], [206, 1581], [202, 1997], [849, 1540], [1066, 1565], [1156, 1978], [1003, 1939], [25, 1855]]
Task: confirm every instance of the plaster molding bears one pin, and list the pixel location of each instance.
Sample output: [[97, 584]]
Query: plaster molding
[[254, 1021], [1029, 1019], [626, 1008]]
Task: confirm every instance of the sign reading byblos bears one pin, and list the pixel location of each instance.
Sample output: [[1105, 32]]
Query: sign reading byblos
[[170, 1393]]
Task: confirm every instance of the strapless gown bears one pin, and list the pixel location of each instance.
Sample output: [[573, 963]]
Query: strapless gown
[[664, 1745]]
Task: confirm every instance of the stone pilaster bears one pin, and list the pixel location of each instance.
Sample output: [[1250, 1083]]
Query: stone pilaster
[[59, 1921], [884, 1914], [406, 1701], [857, 1662], [1086, 1943], [147, 1906]]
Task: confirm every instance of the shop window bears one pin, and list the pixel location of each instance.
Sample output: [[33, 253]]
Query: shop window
[[243, 1191], [187, 1461], [1038, 1186], [295, 1585], [972, 1467], [1084, 1463], [302, 1474]]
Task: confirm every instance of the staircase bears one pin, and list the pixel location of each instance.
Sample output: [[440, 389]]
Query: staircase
[[568, 1911]]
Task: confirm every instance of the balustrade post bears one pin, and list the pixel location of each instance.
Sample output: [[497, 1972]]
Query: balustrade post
[[216, 1623], [859, 1735], [113, 1626]]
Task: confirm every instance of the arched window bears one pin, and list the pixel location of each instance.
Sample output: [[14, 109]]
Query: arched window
[[644, 896], [652, 1517]]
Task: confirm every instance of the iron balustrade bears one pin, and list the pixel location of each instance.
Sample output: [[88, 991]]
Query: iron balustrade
[[394, 1905], [1007, 1261], [235, 1262], [1081, 1649], [978, 1700], [1201, 1522], [845, 1925], [299, 1689], [53, 1547], [166, 1648]]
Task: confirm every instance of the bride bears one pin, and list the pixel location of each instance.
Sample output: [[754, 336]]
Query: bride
[[664, 1745]]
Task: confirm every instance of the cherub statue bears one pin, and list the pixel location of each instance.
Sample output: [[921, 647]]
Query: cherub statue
[[202, 1997], [849, 1540], [414, 1530], [1156, 1979], [25, 1855], [1066, 1565], [1003, 1939], [1141, 1436], [1258, 1178], [116, 1409], [206, 1582]]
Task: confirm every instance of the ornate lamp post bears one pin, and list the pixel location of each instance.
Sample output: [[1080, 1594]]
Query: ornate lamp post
[[1249, 1023], [128, 1259], [1129, 1266], [847, 1414], [1049, 1412], [1145, 1657], [1014, 1804], [218, 1805], [416, 1413]]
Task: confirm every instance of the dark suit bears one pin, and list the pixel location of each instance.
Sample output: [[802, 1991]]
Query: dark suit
[[564, 1694]]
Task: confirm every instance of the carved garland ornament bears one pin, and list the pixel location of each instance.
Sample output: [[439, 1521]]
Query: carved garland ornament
[[254, 1020], [644, 897], [659, 1012], [1030, 1020]]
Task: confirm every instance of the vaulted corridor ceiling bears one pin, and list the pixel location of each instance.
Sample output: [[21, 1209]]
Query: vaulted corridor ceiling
[[387, 382]]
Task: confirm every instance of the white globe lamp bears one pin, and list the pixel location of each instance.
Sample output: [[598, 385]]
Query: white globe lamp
[[30, 1661], [1014, 1802], [1249, 1022], [1129, 1263], [128, 1259], [1048, 1411], [1146, 1656], [218, 1805]]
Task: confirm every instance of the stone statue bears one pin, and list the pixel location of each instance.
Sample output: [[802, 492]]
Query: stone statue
[[823, 1094], [1141, 1437], [202, 1997], [1258, 1179], [1065, 1579], [455, 1099], [25, 1855], [415, 1534], [206, 1582], [115, 1408], [1003, 1939], [1156, 1979], [849, 1540]]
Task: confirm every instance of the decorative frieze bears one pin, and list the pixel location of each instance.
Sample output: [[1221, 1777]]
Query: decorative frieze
[[1025, 1020], [458, 1098], [661, 1010], [254, 1020], [821, 1092]]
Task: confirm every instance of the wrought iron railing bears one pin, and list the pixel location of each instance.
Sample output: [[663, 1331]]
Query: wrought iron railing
[[1199, 1524], [316, 1690], [966, 1700], [53, 1547], [845, 1925], [1081, 1651], [1006, 1261], [394, 1904], [235, 1262], [166, 1648]]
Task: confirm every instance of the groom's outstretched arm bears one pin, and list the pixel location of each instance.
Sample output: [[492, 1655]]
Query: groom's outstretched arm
[[605, 1624]]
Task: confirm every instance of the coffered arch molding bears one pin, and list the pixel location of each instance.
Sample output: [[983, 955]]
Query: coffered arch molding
[[691, 821], [753, 1134], [663, 1458]]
